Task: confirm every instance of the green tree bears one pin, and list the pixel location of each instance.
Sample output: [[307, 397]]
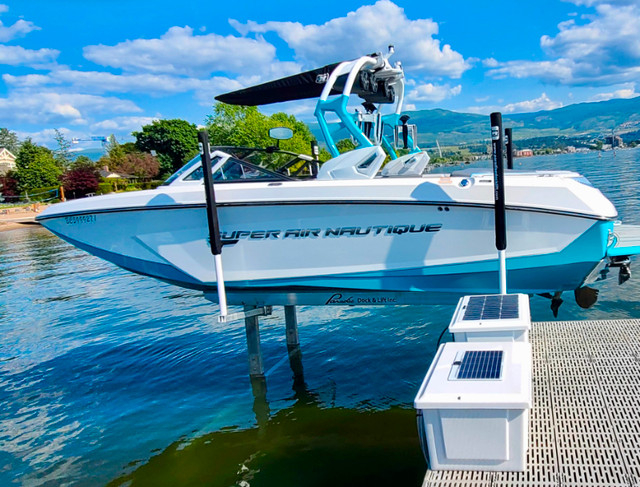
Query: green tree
[[115, 152], [244, 126], [62, 154], [174, 141], [345, 145], [36, 167], [9, 140]]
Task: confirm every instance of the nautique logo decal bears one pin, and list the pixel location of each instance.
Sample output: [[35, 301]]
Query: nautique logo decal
[[232, 237]]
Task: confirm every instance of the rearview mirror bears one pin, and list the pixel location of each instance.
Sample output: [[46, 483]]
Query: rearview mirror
[[280, 133]]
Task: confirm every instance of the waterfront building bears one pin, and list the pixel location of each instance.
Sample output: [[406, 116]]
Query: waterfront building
[[7, 161]]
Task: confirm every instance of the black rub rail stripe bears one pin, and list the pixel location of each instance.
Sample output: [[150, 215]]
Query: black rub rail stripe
[[327, 202]]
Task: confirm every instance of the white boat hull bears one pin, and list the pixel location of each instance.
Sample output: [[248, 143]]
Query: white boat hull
[[355, 246]]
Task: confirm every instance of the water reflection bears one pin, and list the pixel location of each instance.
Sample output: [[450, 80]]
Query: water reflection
[[307, 444]]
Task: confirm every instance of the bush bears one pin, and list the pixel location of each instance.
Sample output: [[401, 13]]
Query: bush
[[104, 188], [150, 184], [9, 186], [80, 179]]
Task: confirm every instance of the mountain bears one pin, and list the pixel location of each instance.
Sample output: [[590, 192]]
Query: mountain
[[586, 120], [579, 120]]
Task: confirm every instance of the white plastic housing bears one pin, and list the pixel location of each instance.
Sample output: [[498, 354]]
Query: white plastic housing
[[477, 424], [491, 330]]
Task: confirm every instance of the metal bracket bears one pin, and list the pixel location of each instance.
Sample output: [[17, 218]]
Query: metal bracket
[[241, 315]]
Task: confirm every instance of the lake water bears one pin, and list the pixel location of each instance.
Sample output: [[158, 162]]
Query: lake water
[[111, 378]]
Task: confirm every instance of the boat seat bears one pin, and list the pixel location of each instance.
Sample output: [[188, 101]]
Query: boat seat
[[361, 163]]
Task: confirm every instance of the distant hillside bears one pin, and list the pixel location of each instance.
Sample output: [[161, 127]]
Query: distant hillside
[[579, 120]]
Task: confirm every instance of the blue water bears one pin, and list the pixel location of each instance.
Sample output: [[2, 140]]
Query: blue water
[[109, 377]]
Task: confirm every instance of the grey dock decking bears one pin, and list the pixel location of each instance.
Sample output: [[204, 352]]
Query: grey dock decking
[[584, 427]]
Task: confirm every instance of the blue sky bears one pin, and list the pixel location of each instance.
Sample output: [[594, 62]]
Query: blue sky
[[94, 67]]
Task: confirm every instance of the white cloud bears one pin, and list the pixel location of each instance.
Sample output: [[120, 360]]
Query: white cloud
[[122, 124], [604, 50], [17, 56], [104, 82], [180, 52], [433, 93], [368, 29], [46, 137], [543, 102], [45, 107], [97, 82], [20, 29], [626, 92]]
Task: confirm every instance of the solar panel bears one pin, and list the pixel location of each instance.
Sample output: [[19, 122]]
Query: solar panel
[[480, 364], [494, 307]]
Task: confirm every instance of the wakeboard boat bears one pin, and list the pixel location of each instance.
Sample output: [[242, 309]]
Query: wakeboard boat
[[352, 230]]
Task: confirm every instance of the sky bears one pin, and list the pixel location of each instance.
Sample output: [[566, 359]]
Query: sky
[[95, 68]]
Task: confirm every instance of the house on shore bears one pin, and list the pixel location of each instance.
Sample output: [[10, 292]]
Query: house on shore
[[524, 153], [105, 173], [7, 161]]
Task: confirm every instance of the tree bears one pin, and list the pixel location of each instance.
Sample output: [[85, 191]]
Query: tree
[[115, 152], [175, 142], [9, 186], [140, 164], [345, 145], [246, 127], [36, 167], [81, 178], [62, 154], [9, 140]]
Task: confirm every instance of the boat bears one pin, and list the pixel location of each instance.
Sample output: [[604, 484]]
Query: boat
[[353, 230]]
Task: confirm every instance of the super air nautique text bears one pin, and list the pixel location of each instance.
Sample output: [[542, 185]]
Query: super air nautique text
[[375, 230]]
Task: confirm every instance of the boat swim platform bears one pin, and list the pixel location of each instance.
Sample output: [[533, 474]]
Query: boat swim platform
[[584, 424]]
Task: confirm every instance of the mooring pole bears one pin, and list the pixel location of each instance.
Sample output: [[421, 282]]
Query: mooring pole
[[498, 193], [508, 138], [252, 328], [293, 344], [215, 242], [291, 322]]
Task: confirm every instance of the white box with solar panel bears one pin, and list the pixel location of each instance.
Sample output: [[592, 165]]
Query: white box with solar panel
[[498, 317], [473, 406]]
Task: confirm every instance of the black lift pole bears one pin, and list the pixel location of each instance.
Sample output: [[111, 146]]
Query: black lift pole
[[498, 185], [215, 242]]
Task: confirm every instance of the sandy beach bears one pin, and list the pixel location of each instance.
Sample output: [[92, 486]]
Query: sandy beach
[[22, 217]]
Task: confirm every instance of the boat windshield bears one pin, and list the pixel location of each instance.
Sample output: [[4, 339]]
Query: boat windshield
[[231, 170], [235, 169], [183, 170]]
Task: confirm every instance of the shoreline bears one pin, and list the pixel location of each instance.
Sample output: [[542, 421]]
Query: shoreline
[[20, 217], [6, 226]]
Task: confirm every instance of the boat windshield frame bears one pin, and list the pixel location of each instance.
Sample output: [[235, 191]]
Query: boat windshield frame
[[221, 155]]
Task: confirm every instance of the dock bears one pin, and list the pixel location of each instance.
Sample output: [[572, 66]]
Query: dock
[[584, 424]]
